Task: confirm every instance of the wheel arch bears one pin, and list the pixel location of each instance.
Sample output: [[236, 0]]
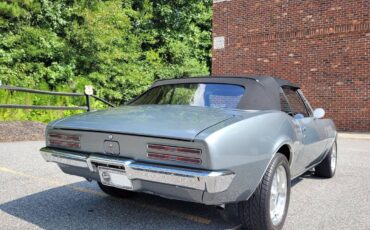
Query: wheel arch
[[286, 150]]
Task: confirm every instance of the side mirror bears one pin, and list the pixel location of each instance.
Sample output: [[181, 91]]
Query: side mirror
[[319, 113]]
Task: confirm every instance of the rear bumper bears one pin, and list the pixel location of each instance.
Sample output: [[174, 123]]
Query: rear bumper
[[201, 180]]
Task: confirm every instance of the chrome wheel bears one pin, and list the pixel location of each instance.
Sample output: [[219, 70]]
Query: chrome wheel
[[267, 208], [333, 158], [278, 195]]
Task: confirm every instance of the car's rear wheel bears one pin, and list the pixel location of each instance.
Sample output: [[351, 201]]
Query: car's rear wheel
[[116, 192], [328, 166], [268, 206]]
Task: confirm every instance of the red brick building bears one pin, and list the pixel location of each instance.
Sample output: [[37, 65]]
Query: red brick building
[[321, 45]]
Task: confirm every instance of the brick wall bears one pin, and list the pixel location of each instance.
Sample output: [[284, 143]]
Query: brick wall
[[321, 45]]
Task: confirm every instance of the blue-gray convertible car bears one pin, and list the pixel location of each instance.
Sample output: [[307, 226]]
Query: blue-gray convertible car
[[210, 140]]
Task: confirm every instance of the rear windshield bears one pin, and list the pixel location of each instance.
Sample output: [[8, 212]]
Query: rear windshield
[[194, 94]]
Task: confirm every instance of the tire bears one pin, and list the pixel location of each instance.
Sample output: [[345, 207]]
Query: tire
[[328, 166], [116, 192], [255, 212]]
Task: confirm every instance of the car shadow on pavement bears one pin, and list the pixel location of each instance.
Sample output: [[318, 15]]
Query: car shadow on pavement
[[82, 205], [304, 176], [309, 175]]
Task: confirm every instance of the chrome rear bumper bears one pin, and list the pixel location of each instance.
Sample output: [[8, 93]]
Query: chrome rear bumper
[[208, 181]]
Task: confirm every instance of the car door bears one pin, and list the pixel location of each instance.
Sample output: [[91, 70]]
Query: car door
[[319, 126], [311, 138]]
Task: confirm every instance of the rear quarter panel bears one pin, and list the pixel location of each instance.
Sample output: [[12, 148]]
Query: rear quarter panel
[[247, 147]]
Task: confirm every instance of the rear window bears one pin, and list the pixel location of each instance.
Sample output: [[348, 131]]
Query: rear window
[[194, 94]]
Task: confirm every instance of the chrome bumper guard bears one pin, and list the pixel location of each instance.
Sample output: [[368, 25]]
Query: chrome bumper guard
[[209, 181]]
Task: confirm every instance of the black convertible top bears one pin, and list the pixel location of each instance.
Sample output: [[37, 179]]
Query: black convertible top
[[262, 93], [226, 79]]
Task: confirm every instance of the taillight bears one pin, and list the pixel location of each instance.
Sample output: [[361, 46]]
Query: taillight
[[174, 153], [64, 140]]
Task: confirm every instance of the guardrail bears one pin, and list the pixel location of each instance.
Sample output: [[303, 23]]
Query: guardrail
[[88, 94]]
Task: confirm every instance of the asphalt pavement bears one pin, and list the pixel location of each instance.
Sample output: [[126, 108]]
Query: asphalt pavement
[[37, 195]]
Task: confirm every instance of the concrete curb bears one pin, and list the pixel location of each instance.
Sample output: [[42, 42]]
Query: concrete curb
[[360, 136]]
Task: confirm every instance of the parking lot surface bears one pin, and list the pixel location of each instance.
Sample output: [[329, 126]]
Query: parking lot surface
[[37, 195]]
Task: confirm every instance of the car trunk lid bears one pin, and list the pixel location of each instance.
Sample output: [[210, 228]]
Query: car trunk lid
[[167, 121]]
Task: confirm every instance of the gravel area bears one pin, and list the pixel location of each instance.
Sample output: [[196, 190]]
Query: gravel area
[[21, 131]]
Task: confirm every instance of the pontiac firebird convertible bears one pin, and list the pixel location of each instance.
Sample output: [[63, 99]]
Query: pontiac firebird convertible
[[210, 140]]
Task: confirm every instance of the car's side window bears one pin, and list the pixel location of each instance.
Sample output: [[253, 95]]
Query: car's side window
[[284, 104], [296, 103], [308, 106]]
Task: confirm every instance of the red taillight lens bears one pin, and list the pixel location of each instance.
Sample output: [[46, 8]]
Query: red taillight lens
[[173, 149], [169, 157], [66, 137], [64, 140], [174, 153]]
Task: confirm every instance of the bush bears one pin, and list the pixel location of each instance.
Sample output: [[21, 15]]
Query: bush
[[119, 47]]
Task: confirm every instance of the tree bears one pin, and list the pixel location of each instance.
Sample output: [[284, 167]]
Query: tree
[[120, 47]]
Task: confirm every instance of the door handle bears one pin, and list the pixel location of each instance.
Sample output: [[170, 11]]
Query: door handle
[[304, 129]]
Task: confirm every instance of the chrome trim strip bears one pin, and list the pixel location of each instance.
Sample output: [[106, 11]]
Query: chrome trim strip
[[209, 181], [64, 157]]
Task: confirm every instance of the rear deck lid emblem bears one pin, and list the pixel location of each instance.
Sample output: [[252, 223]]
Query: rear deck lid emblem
[[111, 147]]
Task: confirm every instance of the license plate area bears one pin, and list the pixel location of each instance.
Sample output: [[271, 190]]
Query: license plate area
[[114, 177]]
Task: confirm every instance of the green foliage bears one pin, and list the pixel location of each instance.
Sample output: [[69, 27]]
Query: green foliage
[[119, 47]]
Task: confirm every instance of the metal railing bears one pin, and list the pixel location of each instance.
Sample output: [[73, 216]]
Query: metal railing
[[88, 95]]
